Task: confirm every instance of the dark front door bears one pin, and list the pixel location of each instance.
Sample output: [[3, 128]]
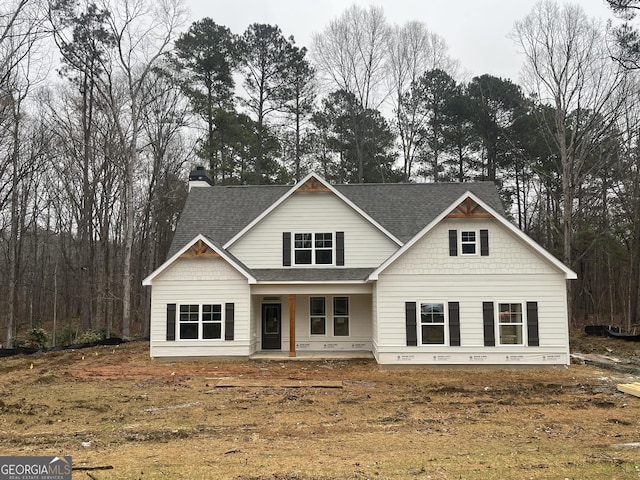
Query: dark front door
[[271, 326]]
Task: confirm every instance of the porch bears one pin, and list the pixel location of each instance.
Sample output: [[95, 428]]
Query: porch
[[312, 322]]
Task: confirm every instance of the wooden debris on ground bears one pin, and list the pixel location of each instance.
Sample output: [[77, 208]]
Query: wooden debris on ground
[[630, 388], [271, 383]]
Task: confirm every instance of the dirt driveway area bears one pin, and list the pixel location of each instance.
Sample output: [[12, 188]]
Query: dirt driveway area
[[121, 415]]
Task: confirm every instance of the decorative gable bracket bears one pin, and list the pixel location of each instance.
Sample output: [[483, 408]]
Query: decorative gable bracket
[[469, 209], [312, 185], [199, 249]]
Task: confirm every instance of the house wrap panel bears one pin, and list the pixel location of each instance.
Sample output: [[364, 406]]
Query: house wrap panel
[[313, 212]]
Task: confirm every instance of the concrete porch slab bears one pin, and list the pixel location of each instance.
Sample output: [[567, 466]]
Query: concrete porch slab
[[280, 355]]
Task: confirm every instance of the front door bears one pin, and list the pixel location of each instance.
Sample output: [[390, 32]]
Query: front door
[[271, 326]]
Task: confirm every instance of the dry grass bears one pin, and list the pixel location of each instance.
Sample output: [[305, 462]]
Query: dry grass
[[151, 419]]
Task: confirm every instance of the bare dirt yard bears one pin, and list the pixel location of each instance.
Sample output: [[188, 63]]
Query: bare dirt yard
[[121, 415]]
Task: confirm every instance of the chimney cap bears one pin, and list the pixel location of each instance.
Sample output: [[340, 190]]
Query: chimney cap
[[200, 174]]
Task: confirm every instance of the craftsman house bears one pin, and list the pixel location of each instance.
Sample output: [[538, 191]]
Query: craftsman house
[[413, 273]]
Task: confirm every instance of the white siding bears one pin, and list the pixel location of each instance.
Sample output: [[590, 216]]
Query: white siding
[[507, 253], [365, 245], [512, 273], [200, 281]]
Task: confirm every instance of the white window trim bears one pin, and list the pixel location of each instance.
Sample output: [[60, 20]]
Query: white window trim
[[419, 323], [347, 316], [313, 250], [200, 322], [523, 324], [318, 335], [476, 243]]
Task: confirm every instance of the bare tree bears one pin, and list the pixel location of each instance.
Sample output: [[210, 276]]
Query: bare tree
[[20, 33], [413, 50], [568, 66], [351, 54], [143, 32]]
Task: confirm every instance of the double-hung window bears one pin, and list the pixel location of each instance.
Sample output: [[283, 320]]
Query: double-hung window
[[211, 321], [432, 323], [341, 316], [313, 248], [468, 242], [200, 322], [510, 324], [317, 316]]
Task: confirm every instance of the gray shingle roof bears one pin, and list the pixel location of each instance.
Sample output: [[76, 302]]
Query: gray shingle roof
[[406, 208], [311, 274], [403, 209], [221, 212]]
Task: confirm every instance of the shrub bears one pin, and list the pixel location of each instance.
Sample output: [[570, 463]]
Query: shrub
[[66, 336], [91, 336], [37, 338]]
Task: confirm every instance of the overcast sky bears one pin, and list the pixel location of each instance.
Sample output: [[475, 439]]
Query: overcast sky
[[475, 30]]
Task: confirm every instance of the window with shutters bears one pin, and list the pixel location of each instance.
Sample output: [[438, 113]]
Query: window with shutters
[[510, 324], [432, 323], [200, 322], [313, 248], [469, 243]]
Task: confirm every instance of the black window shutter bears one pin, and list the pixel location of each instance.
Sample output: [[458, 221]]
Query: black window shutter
[[410, 317], [453, 243], [484, 243], [454, 324], [286, 249], [532, 324], [488, 324], [229, 317], [340, 248], [171, 321]]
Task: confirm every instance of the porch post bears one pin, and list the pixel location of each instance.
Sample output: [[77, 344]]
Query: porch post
[[292, 325]]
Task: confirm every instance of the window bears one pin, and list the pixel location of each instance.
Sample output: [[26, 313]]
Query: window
[[189, 321], [313, 248], [211, 321], [341, 316], [317, 316], [303, 248], [510, 322], [324, 248], [468, 243], [197, 323], [432, 323]]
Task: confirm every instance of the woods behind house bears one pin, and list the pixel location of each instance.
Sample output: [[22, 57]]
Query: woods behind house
[[105, 106]]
